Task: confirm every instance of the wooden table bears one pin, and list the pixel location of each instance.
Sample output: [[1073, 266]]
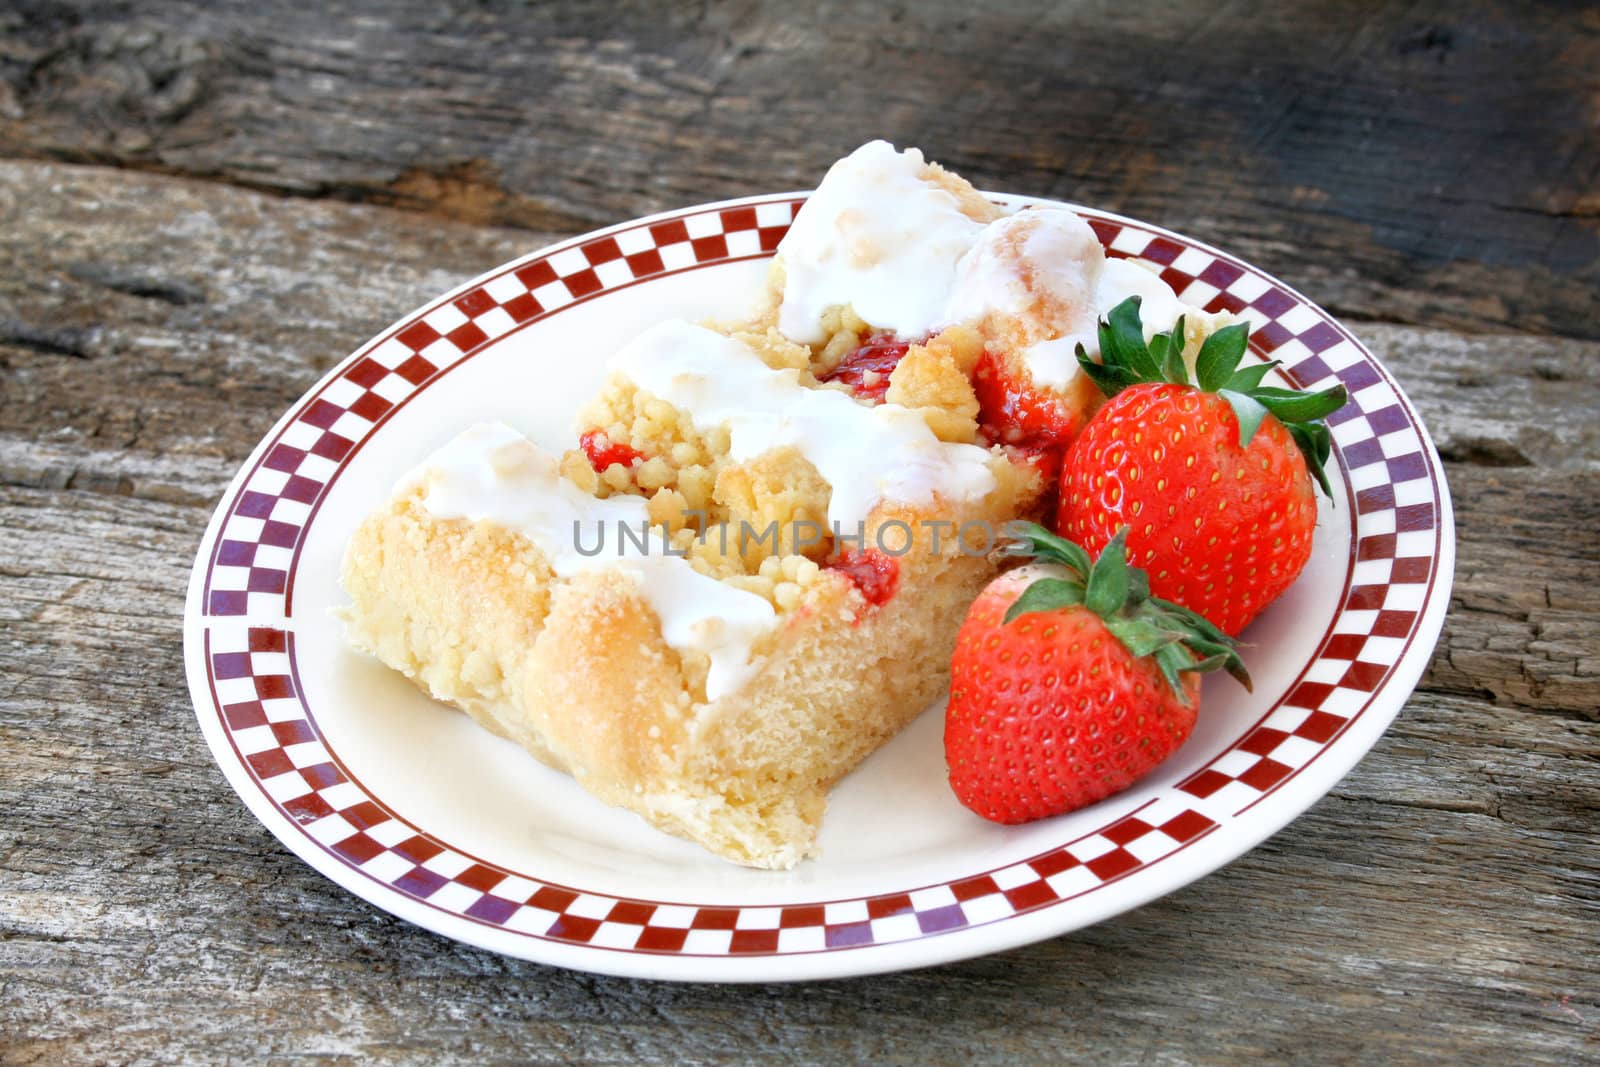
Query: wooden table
[[202, 206]]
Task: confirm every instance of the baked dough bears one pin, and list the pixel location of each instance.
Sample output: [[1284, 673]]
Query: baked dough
[[719, 685]]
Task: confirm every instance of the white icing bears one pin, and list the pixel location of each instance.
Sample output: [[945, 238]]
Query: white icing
[[865, 454], [877, 236], [1023, 257], [1054, 363], [491, 473], [1159, 306], [1052, 252], [1044, 257]]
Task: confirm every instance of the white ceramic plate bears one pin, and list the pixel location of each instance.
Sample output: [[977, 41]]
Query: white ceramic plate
[[410, 806]]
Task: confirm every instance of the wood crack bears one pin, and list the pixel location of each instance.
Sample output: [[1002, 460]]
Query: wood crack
[[52, 341], [1426, 173], [136, 283]]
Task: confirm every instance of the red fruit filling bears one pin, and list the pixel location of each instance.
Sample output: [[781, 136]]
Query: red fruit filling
[[1044, 457], [1012, 413], [602, 452], [877, 575], [866, 368], [1035, 425]]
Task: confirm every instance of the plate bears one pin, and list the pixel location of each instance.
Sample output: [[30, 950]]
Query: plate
[[410, 806]]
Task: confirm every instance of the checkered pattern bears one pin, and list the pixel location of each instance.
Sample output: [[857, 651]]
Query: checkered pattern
[[276, 737], [1282, 325], [1380, 452], [253, 562]]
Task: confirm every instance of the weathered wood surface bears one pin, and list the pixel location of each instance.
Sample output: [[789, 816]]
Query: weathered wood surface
[[1443, 903], [1420, 162]]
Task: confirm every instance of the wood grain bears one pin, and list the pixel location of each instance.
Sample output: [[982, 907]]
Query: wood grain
[[1440, 903], [208, 204], [1425, 162]]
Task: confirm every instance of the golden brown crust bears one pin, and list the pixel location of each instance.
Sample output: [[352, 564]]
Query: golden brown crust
[[936, 379], [974, 205], [577, 672]]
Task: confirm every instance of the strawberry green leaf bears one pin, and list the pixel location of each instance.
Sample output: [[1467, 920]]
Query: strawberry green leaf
[[1168, 348], [1221, 657], [1108, 581], [1219, 355], [1194, 620], [1110, 354], [1109, 380], [1158, 348], [1320, 438], [1138, 587], [1127, 337], [1207, 639], [1031, 539], [1046, 594], [1248, 379], [1249, 412], [1177, 639], [1141, 637], [1291, 405], [1172, 659], [1205, 649], [1316, 444], [1210, 663]]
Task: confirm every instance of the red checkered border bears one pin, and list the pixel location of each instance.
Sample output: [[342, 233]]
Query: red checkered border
[[253, 559], [1380, 451]]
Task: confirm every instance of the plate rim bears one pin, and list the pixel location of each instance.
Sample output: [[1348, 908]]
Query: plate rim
[[1245, 830]]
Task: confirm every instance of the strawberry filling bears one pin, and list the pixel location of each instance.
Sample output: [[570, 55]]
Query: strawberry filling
[[866, 368], [877, 575], [1012, 413], [1035, 425], [602, 452], [1044, 457]]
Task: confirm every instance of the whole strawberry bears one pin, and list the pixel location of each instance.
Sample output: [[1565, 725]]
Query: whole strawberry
[[1070, 682], [1211, 477]]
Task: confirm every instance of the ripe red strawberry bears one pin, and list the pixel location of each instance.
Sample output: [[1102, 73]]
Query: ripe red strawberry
[[1213, 479], [1070, 682]]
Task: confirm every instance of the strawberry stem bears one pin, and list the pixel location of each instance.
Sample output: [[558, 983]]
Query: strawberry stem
[[1181, 641], [1126, 359]]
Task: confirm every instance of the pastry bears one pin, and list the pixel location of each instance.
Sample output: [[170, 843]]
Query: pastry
[[749, 572]]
